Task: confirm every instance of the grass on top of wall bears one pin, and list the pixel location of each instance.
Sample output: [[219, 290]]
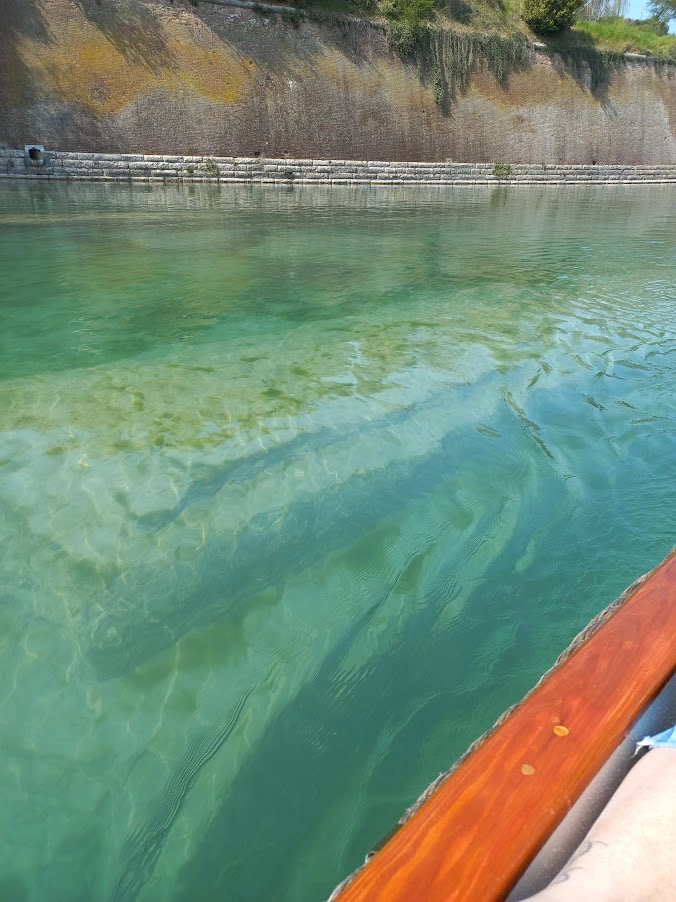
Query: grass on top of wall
[[502, 19], [624, 36], [450, 42]]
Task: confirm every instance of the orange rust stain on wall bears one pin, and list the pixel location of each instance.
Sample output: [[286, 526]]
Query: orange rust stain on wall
[[395, 83], [536, 86], [86, 68], [211, 72]]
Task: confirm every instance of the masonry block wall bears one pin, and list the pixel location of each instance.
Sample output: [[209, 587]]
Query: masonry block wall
[[162, 77], [101, 167]]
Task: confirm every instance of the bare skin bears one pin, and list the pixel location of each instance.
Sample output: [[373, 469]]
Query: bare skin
[[629, 855]]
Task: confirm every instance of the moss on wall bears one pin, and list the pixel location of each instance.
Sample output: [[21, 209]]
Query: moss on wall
[[156, 76]]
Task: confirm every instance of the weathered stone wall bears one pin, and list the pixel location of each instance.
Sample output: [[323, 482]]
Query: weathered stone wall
[[156, 76], [162, 168]]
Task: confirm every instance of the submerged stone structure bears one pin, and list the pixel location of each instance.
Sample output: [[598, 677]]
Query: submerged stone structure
[[165, 77]]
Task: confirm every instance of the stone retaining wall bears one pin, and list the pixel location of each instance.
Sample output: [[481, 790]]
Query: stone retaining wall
[[181, 77], [15, 164]]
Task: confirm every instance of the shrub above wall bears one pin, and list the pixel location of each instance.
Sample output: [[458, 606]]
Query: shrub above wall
[[550, 16]]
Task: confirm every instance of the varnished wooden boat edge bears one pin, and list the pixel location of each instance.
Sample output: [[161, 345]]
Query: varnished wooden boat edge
[[589, 630]]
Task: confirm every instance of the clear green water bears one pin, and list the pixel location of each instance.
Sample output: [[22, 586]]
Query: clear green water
[[299, 489]]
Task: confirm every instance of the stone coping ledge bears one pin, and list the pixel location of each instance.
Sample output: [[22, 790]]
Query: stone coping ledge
[[381, 183], [116, 167]]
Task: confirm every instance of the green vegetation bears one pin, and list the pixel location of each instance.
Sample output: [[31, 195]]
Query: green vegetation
[[663, 10], [294, 17], [447, 58], [491, 25], [628, 36], [550, 16], [502, 170], [439, 87], [449, 40], [586, 62], [405, 20]]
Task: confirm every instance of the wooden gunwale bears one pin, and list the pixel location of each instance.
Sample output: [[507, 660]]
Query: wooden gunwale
[[478, 829]]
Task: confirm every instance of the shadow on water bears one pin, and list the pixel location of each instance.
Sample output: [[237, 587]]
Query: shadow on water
[[329, 732], [146, 611], [299, 735], [145, 845]]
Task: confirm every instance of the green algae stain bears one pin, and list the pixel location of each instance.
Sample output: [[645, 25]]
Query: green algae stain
[[57, 450]]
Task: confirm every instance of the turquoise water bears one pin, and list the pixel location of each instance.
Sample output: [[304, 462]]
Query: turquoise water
[[299, 489]]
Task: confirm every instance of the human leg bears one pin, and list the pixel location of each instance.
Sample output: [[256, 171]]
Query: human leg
[[629, 855]]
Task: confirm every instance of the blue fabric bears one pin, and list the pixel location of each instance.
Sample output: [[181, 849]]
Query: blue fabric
[[665, 740]]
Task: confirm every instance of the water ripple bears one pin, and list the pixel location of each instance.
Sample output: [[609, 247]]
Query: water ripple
[[298, 491]]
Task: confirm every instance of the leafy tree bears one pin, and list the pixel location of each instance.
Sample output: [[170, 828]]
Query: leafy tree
[[654, 23], [663, 10], [550, 16]]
